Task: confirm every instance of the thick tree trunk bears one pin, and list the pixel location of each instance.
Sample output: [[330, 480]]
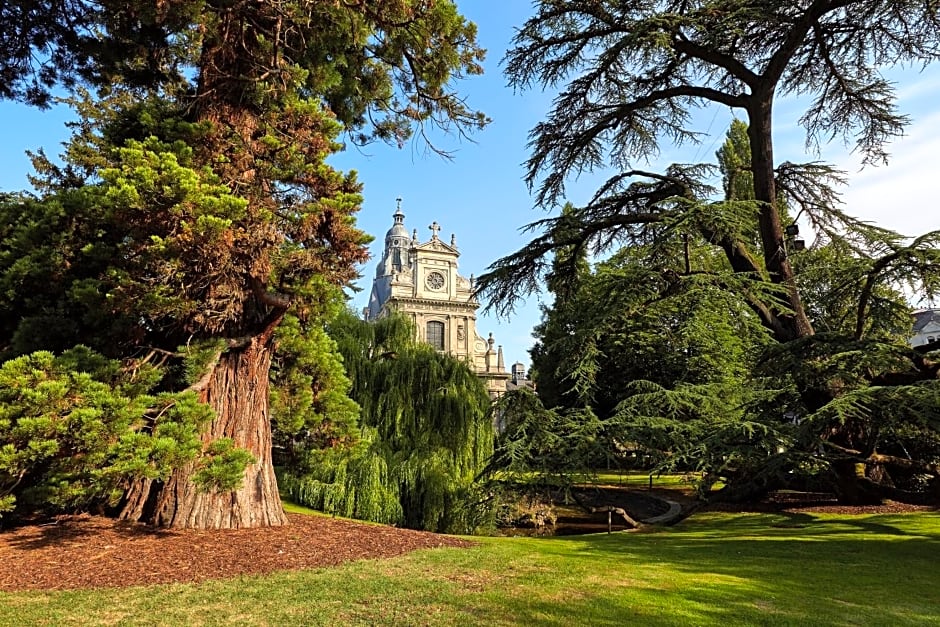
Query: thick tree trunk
[[796, 324], [853, 487], [237, 390]]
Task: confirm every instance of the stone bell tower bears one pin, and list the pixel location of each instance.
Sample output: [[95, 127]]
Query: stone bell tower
[[420, 279]]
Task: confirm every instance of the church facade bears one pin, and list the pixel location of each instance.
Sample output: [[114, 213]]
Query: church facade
[[421, 280]]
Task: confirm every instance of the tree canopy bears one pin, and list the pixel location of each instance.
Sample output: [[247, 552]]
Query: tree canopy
[[631, 73], [629, 76]]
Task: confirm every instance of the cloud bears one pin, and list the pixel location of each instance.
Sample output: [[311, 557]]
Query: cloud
[[902, 195]]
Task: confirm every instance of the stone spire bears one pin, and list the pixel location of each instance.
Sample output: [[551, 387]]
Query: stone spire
[[394, 261]]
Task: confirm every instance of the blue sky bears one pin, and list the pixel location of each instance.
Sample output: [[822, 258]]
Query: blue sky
[[480, 195]]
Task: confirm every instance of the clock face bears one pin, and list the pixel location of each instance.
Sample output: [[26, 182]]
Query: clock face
[[435, 280]]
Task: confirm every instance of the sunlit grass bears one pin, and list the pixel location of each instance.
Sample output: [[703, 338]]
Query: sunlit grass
[[637, 478], [624, 478], [713, 569]]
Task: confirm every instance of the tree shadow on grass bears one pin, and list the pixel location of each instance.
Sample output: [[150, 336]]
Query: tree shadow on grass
[[822, 524], [786, 568]]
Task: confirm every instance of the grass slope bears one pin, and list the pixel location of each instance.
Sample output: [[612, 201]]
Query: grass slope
[[714, 569]]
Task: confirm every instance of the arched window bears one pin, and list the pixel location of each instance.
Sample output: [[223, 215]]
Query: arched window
[[435, 334]]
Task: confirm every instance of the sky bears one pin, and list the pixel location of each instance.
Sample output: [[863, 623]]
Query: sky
[[480, 195]]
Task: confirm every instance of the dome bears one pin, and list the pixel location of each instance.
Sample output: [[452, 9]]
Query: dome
[[398, 230]]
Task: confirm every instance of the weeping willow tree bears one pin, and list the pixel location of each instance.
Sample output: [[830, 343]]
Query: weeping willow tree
[[425, 434]]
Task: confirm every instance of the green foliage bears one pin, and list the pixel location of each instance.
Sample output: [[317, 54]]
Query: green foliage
[[222, 465], [544, 448], [734, 158], [195, 211], [670, 339], [808, 407], [629, 320], [379, 67], [700, 427], [310, 406], [75, 428], [856, 284], [426, 432], [354, 483], [157, 240]]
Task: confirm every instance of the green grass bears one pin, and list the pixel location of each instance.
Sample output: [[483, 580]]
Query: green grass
[[636, 478], [714, 569], [631, 478]]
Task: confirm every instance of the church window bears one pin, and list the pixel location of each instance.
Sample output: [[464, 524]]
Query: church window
[[435, 335], [435, 280]]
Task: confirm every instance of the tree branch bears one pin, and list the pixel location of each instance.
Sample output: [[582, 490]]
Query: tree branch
[[710, 55]]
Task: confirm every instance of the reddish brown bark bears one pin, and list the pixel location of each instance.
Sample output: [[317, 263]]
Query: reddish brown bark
[[237, 390], [237, 386]]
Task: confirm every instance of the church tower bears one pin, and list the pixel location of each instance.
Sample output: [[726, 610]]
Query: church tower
[[420, 279]]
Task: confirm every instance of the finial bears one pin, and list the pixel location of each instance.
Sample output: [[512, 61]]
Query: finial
[[453, 240], [414, 235], [398, 201], [435, 227]]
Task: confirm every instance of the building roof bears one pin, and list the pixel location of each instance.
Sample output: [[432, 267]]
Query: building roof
[[924, 317], [398, 228]]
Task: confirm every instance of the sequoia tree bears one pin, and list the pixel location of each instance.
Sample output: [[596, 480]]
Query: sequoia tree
[[196, 207], [630, 75]]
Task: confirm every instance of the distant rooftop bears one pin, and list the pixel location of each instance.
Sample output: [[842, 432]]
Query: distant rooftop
[[924, 317]]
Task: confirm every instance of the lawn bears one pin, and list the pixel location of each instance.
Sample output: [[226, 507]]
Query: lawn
[[713, 569], [636, 478]]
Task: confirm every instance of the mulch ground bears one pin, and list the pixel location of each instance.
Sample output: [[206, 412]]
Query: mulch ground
[[815, 502], [96, 552]]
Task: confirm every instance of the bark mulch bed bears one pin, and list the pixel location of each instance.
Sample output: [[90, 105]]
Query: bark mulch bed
[[95, 552], [815, 503]]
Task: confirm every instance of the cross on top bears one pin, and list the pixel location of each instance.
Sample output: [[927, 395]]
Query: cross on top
[[398, 200], [435, 227]]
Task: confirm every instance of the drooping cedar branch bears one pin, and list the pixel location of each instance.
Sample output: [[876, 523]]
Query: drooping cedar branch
[[624, 211], [921, 257], [632, 72]]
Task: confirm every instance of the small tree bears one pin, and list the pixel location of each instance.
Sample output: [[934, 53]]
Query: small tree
[[76, 429]]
